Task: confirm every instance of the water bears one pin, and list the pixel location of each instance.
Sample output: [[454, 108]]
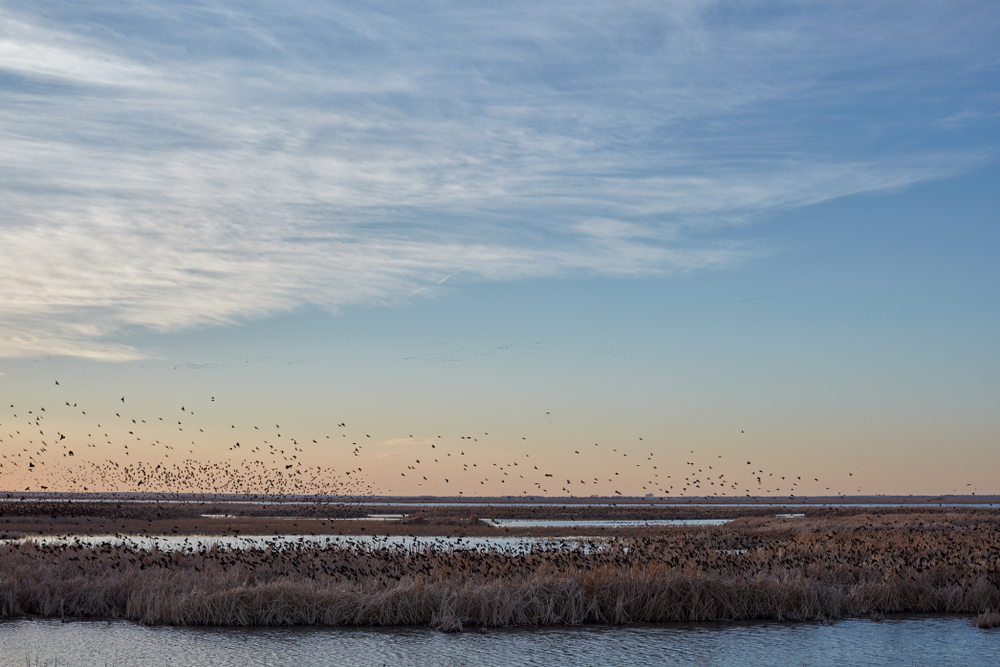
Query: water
[[905, 641], [508, 544], [359, 542], [608, 523], [520, 523]]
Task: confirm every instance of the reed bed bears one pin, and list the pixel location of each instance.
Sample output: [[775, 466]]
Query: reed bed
[[761, 569], [988, 619]]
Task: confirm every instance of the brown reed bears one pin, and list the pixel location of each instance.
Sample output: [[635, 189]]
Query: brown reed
[[988, 619], [779, 569]]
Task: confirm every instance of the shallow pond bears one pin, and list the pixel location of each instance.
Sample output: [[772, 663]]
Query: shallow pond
[[909, 641], [604, 523], [506, 544]]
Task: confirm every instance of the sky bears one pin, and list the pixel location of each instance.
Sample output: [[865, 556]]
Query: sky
[[760, 236]]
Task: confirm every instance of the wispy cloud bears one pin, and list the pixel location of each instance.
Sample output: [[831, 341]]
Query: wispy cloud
[[175, 166]]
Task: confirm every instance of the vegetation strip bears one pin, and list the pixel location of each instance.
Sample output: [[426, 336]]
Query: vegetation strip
[[760, 568]]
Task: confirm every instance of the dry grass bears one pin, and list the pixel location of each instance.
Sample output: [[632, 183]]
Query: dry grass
[[786, 569], [988, 619]]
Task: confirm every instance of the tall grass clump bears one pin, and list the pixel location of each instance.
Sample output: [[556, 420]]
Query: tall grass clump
[[988, 619]]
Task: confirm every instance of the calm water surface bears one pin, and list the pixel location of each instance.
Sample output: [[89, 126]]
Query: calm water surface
[[604, 523], [357, 542], [914, 640], [508, 544]]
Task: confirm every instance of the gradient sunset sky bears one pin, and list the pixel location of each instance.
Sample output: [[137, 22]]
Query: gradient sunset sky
[[760, 231]]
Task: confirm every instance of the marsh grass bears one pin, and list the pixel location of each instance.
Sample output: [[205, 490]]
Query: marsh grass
[[988, 619], [796, 570]]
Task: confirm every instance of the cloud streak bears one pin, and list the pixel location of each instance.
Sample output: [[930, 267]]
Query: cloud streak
[[173, 167]]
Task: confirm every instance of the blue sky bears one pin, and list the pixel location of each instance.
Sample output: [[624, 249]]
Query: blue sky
[[674, 219]]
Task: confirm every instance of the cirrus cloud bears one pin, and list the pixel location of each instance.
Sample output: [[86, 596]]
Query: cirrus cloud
[[182, 166]]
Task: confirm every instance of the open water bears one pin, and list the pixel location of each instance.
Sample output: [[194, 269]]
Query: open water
[[357, 542], [907, 641]]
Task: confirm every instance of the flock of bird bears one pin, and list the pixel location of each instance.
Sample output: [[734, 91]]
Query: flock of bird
[[751, 570], [71, 445]]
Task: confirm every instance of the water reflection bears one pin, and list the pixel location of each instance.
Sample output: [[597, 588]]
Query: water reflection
[[609, 523], [357, 542], [506, 544], [916, 640]]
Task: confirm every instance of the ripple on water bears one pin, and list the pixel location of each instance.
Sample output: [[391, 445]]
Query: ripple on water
[[914, 640]]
